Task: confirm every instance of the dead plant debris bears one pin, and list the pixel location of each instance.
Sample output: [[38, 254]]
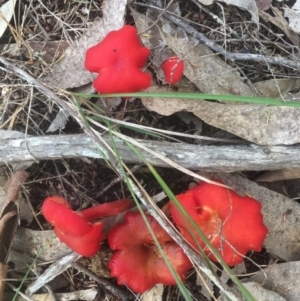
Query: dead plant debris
[[235, 47]]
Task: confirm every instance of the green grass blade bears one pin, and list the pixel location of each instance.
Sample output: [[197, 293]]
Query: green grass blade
[[203, 96]]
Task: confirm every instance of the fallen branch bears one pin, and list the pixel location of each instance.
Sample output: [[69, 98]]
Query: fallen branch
[[225, 158]]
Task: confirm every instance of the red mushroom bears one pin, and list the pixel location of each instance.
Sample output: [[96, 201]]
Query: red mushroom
[[137, 262], [173, 69], [74, 229], [233, 224], [118, 59]]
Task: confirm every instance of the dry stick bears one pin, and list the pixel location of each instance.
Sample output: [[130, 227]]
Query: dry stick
[[187, 249], [15, 289], [48, 288], [228, 55], [52, 271], [213, 158], [123, 295]]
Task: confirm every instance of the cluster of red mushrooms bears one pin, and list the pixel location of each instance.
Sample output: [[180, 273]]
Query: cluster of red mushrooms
[[118, 60], [232, 224]]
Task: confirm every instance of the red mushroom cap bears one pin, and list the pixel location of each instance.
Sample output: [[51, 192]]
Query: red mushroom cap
[[107, 209], [137, 262], [118, 59], [57, 212], [173, 69], [86, 245], [233, 224]]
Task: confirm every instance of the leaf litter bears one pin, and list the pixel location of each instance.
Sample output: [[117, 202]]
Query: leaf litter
[[210, 74]]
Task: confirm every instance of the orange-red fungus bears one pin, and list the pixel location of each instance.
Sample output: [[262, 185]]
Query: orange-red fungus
[[173, 69], [74, 228], [71, 228], [233, 224], [118, 59], [137, 261]]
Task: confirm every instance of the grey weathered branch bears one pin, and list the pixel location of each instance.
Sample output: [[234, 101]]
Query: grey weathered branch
[[225, 158]]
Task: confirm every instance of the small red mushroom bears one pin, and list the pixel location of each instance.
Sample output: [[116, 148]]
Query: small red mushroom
[[137, 262], [173, 69], [233, 224], [118, 59]]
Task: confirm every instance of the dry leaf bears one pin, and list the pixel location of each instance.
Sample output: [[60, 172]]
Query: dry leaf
[[281, 278], [9, 213], [14, 185], [6, 13], [59, 121], [248, 5], [155, 293], [206, 2], [70, 71], [259, 293], [84, 295], [277, 88], [280, 213], [279, 21], [9, 217], [259, 124], [42, 243], [279, 175], [293, 14]]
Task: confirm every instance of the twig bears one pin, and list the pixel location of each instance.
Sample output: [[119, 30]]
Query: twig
[[103, 281], [39, 25], [25, 297], [48, 288], [228, 55], [54, 270], [113, 182]]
